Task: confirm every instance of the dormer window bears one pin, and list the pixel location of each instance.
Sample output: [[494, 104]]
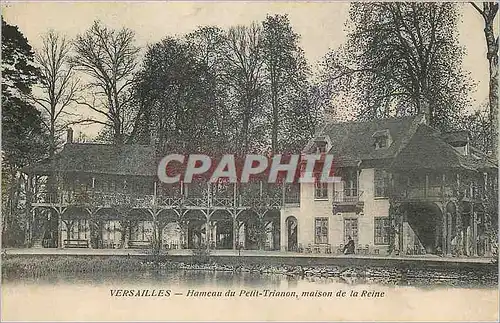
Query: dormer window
[[382, 139], [380, 142], [321, 145], [459, 140]]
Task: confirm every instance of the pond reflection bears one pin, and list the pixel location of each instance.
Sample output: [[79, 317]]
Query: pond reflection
[[205, 278]]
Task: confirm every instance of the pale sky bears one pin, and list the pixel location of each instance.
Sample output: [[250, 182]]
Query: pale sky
[[320, 24]]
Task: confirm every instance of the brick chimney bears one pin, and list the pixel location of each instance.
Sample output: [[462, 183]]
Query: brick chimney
[[69, 136]]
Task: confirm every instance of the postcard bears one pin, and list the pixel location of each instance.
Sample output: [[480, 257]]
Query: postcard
[[249, 161]]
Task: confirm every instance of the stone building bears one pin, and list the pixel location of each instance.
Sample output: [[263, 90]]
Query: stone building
[[405, 188]]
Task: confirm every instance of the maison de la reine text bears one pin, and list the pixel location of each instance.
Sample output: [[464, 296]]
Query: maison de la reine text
[[406, 189]]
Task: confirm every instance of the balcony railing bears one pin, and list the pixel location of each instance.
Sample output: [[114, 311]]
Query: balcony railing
[[435, 192], [292, 198], [110, 199], [349, 196]]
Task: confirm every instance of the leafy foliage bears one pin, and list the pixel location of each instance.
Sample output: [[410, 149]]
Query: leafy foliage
[[244, 89], [402, 59], [23, 138]]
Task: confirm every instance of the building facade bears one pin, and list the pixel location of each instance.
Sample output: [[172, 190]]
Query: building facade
[[405, 188]]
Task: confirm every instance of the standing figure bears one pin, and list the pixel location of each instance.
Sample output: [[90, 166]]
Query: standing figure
[[349, 247]]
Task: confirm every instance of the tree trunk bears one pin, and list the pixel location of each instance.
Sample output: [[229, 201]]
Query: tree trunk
[[275, 123], [493, 86], [489, 12]]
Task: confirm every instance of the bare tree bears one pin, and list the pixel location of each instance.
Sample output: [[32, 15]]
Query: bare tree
[[58, 84], [245, 63], [488, 12], [109, 57]]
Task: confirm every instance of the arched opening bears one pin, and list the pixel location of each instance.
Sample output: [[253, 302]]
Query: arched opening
[[140, 229], [45, 228], [450, 237], [169, 229], [110, 227], [195, 225], [482, 239], [251, 231], [76, 231], [423, 232], [221, 230], [291, 233], [272, 230]]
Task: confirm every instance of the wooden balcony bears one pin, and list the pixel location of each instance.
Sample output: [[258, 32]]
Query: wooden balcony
[[435, 193], [89, 198], [244, 199], [347, 197]]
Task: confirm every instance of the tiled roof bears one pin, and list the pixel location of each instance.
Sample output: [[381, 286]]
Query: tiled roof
[[427, 149], [101, 158], [414, 145], [353, 141]]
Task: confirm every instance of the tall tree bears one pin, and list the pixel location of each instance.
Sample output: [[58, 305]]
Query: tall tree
[[210, 47], [109, 57], [23, 138], [244, 76], [175, 97], [488, 12], [57, 84], [404, 58], [286, 77]]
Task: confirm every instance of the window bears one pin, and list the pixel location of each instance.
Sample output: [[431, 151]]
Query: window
[[351, 183], [351, 229], [78, 230], [320, 190], [111, 231], [381, 183], [321, 147], [321, 230], [381, 142], [382, 139], [382, 230], [141, 231]]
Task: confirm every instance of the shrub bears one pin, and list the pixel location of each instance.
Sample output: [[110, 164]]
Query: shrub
[[201, 255]]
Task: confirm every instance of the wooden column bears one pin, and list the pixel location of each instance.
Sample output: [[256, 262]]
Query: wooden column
[[234, 214], [444, 235], [29, 235], [426, 189], [448, 233], [156, 224], [59, 230], [474, 231], [401, 232], [90, 232], [207, 232], [459, 229], [235, 231]]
